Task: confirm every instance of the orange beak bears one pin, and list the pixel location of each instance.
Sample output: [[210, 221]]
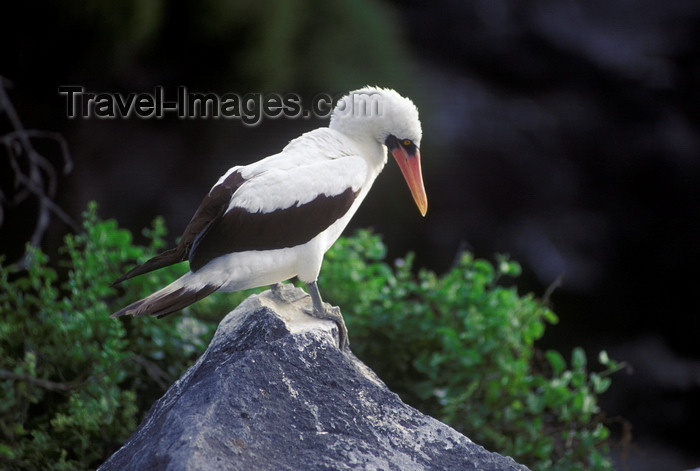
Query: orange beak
[[410, 167]]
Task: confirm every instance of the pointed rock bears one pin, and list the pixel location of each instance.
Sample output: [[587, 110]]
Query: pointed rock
[[273, 392]]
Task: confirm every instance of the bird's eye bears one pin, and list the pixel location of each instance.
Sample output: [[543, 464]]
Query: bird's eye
[[407, 142]]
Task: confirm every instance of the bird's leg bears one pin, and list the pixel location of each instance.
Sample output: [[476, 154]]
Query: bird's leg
[[321, 310]]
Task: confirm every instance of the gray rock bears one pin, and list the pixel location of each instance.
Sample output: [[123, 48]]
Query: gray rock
[[273, 392]]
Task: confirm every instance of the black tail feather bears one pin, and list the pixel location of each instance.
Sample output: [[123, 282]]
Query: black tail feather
[[162, 303], [167, 258], [185, 299]]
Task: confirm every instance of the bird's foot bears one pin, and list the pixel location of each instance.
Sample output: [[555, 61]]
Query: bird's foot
[[332, 313], [287, 292]]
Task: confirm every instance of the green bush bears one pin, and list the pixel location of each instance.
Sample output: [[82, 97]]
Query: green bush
[[74, 383], [460, 347]]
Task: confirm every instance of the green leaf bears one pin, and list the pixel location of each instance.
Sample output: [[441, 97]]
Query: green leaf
[[556, 361], [578, 358], [600, 384]]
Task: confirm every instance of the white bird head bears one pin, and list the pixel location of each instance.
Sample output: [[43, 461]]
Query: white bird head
[[382, 115]]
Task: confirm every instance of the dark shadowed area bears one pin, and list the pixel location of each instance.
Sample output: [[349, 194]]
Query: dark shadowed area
[[563, 133]]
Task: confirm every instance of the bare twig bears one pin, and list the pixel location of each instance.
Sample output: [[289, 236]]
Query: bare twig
[[42, 383], [34, 175], [546, 299], [161, 378]]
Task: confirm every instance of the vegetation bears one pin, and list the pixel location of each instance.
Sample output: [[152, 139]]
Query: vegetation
[[74, 383], [460, 347]]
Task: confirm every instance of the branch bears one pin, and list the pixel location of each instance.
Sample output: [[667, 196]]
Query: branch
[[161, 378], [42, 383], [39, 179]]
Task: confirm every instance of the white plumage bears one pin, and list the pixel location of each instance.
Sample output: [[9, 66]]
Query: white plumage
[[274, 219]]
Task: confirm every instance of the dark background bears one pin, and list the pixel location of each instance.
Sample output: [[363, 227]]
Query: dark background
[[564, 133]]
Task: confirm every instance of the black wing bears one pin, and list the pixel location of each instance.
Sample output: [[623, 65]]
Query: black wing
[[239, 230]]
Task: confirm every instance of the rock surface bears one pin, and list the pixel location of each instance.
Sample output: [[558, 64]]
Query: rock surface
[[273, 392]]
